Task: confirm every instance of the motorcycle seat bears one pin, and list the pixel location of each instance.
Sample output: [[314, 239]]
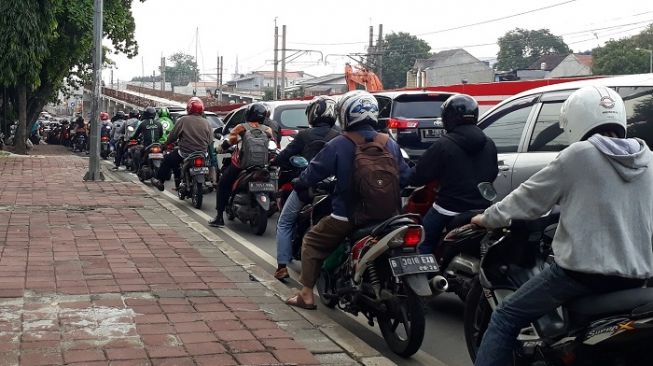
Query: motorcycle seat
[[378, 229], [614, 303], [462, 219]]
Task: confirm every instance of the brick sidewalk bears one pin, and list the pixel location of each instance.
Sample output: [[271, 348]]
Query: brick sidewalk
[[102, 274]]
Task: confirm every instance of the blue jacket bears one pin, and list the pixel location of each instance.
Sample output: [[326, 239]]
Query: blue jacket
[[337, 159]]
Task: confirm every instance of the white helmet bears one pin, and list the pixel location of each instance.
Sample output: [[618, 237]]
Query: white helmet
[[356, 107], [590, 107]]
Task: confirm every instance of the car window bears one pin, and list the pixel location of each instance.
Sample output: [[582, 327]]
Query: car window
[[547, 134], [505, 126], [384, 106], [214, 121], [292, 117], [639, 107]]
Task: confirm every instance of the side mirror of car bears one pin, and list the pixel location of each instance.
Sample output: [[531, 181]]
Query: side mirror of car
[[217, 134]]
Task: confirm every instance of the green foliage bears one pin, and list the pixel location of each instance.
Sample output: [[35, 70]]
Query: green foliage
[[400, 50], [519, 47], [183, 71], [620, 57]]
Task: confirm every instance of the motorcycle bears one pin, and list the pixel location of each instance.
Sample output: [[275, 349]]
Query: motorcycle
[[286, 175], [377, 272], [252, 194], [79, 142], [194, 173], [153, 159], [105, 143], [600, 329]]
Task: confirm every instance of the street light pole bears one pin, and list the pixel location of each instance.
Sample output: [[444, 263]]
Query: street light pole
[[94, 172], [650, 63]]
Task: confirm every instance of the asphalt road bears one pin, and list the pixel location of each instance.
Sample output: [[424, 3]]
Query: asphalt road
[[444, 339]]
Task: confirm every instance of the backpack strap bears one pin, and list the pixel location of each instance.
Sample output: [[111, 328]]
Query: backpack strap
[[355, 138], [381, 138]]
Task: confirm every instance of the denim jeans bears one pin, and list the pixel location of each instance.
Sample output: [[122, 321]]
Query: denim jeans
[[537, 297], [433, 222], [285, 225]]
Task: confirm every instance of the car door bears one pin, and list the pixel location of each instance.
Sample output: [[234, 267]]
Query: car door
[[506, 126]]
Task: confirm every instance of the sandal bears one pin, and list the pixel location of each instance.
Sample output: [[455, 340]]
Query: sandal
[[281, 274], [298, 302]]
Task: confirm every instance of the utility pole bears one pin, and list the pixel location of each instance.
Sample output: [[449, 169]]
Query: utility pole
[[283, 62], [111, 76], [153, 78], [276, 60], [94, 172], [163, 73], [197, 34], [370, 47], [220, 77], [379, 52], [217, 75]]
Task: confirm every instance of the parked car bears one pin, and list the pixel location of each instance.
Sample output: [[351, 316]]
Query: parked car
[[526, 132], [290, 114], [412, 118]]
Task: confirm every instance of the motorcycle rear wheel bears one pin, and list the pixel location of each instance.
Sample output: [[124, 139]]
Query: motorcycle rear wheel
[[324, 289], [197, 195], [260, 223], [409, 314]]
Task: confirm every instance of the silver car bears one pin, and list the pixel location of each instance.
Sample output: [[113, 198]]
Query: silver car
[[526, 132]]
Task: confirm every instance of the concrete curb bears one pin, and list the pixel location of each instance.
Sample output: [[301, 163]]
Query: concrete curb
[[348, 343]]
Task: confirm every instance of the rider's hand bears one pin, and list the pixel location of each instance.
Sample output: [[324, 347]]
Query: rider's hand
[[479, 220]]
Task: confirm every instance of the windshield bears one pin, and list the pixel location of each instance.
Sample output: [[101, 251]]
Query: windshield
[[215, 121], [293, 117], [417, 109]]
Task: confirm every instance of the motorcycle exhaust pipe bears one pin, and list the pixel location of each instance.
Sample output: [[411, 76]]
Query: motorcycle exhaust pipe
[[439, 284]]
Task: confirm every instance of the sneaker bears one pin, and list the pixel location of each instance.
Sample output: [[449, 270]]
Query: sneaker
[[281, 274], [218, 221], [158, 184]]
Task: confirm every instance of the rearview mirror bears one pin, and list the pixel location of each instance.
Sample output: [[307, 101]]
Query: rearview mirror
[[217, 134], [131, 129], [298, 161], [487, 191], [272, 145]]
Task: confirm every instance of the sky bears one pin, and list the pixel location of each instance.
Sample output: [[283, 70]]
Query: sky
[[245, 29]]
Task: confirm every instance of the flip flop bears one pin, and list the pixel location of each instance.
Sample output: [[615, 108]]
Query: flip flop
[[298, 301]]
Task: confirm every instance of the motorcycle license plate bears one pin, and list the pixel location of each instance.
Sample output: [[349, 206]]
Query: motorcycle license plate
[[156, 156], [261, 187], [412, 264], [200, 170]]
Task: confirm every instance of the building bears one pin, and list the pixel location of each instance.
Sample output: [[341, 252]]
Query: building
[[449, 67], [557, 66], [260, 80], [322, 85]]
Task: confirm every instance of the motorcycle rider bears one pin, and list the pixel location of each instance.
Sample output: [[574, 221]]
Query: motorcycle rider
[[254, 117], [276, 129], [193, 133], [358, 115], [133, 122], [458, 161], [150, 130], [321, 116], [167, 123], [603, 240], [117, 136], [80, 129]]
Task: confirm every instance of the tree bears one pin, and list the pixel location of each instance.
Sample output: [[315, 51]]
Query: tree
[[184, 70], [519, 47], [50, 44], [400, 50], [620, 57]]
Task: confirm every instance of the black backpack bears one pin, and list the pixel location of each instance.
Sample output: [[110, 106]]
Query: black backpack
[[315, 146]]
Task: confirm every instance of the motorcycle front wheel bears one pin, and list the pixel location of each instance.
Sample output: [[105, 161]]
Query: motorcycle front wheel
[[402, 326], [197, 195], [476, 318]]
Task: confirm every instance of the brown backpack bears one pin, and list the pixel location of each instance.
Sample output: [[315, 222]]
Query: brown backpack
[[375, 180]]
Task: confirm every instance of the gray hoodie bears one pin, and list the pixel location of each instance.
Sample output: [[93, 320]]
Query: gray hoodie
[[605, 191]]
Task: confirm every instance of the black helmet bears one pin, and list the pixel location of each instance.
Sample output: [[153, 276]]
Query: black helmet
[[150, 113], [321, 111], [256, 113], [121, 115], [459, 109], [133, 113]]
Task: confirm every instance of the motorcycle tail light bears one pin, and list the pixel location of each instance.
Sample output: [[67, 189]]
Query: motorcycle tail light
[[133, 142], [105, 139], [155, 149], [413, 236], [170, 147], [198, 162]]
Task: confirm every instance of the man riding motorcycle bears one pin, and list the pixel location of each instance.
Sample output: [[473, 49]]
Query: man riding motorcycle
[[167, 123], [603, 240], [117, 136], [80, 130], [133, 122], [321, 117], [459, 161], [358, 114], [193, 133], [254, 117], [150, 129]]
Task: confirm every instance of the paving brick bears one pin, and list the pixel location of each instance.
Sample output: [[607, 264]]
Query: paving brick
[[214, 360], [282, 344], [189, 338], [270, 333], [184, 361], [165, 351], [126, 354], [191, 327], [245, 346], [154, 329], [296, 356], [256, 358], [235, 335], [83, 356], [36, 358]]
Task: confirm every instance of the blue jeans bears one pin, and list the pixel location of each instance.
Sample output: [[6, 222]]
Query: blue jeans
[[537, 297], [285, 225], [433, 222]]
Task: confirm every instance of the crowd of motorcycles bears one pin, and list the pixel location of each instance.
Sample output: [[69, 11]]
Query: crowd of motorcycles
[[378, 272]]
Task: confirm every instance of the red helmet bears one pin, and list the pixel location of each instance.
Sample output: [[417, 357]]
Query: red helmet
[[104, 116], [195, 106]]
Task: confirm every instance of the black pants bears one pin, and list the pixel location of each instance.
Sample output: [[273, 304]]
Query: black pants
[[119, 152], [227, 179], [171, 162]]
